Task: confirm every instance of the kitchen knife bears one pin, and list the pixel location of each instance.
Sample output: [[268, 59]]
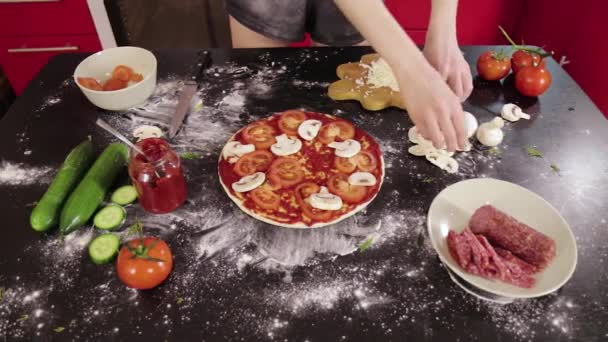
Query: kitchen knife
[[203, 61]]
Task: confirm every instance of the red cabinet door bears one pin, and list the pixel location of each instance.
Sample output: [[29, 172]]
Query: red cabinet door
[[45, 17], [23, 57]]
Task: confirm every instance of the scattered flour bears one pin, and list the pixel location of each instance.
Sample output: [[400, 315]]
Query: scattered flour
[[20, 174]]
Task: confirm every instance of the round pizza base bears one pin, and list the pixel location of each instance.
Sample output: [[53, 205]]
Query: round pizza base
[[298, 225]]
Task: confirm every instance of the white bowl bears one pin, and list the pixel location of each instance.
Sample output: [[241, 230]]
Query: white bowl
[[454, 206], [100, 65]]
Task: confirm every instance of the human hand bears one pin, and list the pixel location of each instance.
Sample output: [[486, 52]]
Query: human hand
[[433, 107], [443, 53]]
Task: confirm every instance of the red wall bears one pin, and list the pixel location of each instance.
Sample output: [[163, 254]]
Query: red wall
[[577, 30]]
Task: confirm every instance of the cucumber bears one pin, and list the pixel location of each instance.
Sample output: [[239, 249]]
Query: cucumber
[[93, 188], [110, 217], [104, 248], [124, 195], [46, 213]]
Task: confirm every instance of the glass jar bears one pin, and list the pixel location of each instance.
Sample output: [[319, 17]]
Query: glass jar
[[157, 176]]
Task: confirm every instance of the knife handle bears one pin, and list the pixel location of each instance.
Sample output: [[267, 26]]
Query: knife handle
[[203, 61]]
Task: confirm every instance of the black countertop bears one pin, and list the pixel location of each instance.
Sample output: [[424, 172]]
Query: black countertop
[[239, 279]]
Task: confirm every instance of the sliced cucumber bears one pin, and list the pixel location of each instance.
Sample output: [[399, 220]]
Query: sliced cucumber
[[110, 217], [124, 195], [104, 248]]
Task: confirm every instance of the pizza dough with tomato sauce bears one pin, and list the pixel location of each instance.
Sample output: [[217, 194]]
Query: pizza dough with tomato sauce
[[283, 198]]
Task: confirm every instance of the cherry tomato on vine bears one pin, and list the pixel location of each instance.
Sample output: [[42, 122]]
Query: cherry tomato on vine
[[493, 66], [532, 80]]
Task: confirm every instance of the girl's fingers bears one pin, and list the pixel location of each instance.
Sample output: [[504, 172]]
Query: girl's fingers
[[434, 132], [458, 122]]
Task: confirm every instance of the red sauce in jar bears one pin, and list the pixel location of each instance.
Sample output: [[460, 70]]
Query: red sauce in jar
[[161, 189]]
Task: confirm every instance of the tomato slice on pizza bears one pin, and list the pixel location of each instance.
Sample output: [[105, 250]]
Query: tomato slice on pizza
[[299, 181], [338, 130], [261, 135], [253, 162], [290, 121]]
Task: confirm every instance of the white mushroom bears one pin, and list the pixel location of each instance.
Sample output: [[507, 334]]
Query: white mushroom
[[490, 133], [147, 131], [443, 161], [286, 145], [513, 112], [419, 150], [470, 124], [235, 150], [249, 183], [347, 148], [309, 129], [324, 200], [362, 178]]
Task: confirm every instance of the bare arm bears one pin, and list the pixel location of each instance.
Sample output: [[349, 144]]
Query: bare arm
[[432, 106], [442, 51]]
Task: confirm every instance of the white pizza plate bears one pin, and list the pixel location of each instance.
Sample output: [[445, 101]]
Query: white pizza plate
[[453, 207]]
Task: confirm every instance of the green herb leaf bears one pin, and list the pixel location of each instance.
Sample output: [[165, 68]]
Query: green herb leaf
[[59, 329], [555, 168], [23, 318], [428, 180], [495, 151], [366, 244], [2, 292], [190, 155], [533, 152], [136, 229], [180, 300]]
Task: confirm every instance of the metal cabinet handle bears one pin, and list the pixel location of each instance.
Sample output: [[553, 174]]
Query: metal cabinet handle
[[44, 49], [22, 1]]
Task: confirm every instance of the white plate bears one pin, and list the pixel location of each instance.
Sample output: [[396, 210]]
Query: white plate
[[453, 207]]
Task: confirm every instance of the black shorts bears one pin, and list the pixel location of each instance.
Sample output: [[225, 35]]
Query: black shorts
[[288, 20]]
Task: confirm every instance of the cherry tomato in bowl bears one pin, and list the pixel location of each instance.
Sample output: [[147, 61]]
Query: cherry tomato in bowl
[[493, 66], [533, 80], [144, 263]]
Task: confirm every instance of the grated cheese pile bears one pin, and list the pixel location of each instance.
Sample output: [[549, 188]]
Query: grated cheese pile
[[380, 74]]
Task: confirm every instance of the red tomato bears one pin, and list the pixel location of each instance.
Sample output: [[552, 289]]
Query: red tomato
[[340, 130], [366, 161], [338, 184], [265, 198], [144, 264], [345, 165], [253, 162], [521, 59], [90, 83], [122, 72], [261, 135], [114, 84], [286, 172], [137, 77], [493, 66], [532, 80], [303, 191], [290, 120]]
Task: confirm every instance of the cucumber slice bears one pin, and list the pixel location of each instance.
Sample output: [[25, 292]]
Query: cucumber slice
[[104, 248], [124, 195], [110, 217]]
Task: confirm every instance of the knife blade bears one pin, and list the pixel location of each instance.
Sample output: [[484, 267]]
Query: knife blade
[[190, 88]]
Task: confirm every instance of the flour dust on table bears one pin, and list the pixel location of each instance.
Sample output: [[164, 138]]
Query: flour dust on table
[[18, 174]]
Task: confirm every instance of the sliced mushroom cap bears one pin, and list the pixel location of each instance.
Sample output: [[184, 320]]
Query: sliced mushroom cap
[[147, 131], [286, 146], [347, 148], [309, 129], [235, 150], [443, 161], [249, 183], [324, 200], [362, 178]]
